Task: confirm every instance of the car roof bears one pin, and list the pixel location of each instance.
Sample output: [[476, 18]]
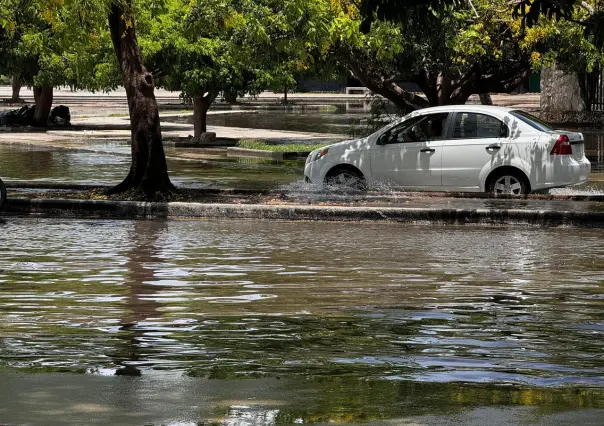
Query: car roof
[[465, 107]]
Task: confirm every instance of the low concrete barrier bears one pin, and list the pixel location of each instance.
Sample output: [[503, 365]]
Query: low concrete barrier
[[275, 155], [139, 210]]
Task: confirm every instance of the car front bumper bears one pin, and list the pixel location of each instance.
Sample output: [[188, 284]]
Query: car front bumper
[[315, 171]]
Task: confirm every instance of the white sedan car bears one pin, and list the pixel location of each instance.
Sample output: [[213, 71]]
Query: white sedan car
[[472, 148]]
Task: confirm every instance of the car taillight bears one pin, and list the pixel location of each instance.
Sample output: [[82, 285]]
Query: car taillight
[[562, 146]]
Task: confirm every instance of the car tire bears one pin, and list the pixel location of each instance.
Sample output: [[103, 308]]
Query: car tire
[[2, 193], [508, 182], [346, 178]]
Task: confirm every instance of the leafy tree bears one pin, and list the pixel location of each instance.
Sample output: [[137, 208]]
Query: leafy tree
[[148, 170], [62, 35], [450, 51], [43, 48], [232, 47], [204, 49], [566, 44], [531, 11]]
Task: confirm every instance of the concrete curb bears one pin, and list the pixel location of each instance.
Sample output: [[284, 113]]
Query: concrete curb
[[32, 184], [141, 210]]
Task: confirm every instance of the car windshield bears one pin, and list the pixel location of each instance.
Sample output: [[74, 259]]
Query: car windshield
[[532, 121], [397, 122]]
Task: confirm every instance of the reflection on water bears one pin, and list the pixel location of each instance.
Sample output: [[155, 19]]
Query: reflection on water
[[367, 312], [338, 120], [231, 299]]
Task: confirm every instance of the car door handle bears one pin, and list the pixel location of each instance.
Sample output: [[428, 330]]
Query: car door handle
[[430, 150], [493, 148]]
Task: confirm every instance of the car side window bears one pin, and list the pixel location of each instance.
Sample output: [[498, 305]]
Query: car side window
[[424, 128], [470, 125]]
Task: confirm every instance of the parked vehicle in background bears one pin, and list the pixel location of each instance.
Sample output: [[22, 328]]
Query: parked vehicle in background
[[473, 148]]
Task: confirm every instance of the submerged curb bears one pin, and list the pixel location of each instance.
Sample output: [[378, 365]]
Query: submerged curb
[[144, 210], [274, 155], [32, 184]]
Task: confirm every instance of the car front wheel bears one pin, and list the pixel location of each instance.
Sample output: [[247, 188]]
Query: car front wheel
[[346, 178], [508, 183]]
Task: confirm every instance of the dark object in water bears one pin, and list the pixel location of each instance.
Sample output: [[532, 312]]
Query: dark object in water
[[18, 117], [59, 116], [24, 116]]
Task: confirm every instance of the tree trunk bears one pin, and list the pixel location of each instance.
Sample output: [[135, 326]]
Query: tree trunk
[[585, 95], [485, 99], [148, 170], [43, 98], [443, 89], [16, 83], [201, 105], [405, 101], [285, 95]]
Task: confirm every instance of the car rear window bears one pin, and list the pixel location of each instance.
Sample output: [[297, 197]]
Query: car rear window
[[532, 121]]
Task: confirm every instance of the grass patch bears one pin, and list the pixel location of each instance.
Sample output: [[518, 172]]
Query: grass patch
[[265, 146], [327, 108], [122, 114], [185, 111]]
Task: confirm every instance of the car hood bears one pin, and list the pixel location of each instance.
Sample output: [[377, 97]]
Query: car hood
[[349, 145]]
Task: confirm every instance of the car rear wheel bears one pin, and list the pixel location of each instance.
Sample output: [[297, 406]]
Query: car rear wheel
[[346, 178], [508, 182]]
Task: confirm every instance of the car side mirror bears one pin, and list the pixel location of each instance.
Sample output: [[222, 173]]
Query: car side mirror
[[384, 138]]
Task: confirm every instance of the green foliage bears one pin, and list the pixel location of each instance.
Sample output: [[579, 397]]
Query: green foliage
[[564, 42], [452, 49], [52, 43], [235, 46]]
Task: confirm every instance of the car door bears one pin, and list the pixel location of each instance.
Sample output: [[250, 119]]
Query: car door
[[474, 140], [409, 155]]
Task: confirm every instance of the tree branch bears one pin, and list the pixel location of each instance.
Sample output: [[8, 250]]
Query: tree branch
[[403, 99], [587, 7]]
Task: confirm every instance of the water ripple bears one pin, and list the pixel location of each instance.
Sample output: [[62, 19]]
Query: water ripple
[[242, 299]]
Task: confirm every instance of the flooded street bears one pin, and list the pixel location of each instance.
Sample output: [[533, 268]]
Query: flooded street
[[353, 322], [249, 322]]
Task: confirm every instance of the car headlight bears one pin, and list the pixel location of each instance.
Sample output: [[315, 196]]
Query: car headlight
[[317, 155]]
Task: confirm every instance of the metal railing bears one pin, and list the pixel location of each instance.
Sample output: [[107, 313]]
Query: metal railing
[[594, 84]]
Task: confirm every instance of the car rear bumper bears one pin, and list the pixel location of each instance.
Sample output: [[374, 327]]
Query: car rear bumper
[[564, 172]]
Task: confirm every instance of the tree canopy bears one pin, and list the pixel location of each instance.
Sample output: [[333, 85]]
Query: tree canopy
[[47, 44], [451, 49]]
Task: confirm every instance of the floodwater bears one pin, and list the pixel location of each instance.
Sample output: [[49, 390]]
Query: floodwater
[[340, 119], [282, 322], [109, 164]]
